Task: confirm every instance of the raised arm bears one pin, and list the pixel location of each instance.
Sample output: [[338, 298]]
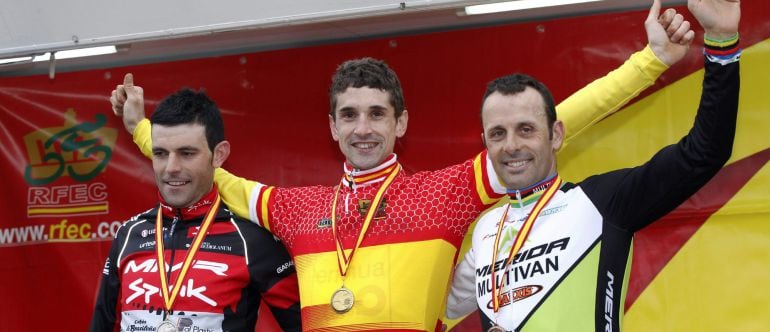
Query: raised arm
[[638, 196], [669, 37]]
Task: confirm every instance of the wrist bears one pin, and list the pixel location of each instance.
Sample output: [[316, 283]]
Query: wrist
[[659, 52], [130, 127], [722, 42], [132, 124], [653, 59], [720, 36]]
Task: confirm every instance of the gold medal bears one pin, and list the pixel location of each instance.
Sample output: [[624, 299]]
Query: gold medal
[[496, 328], [342, 300], [166, 326]]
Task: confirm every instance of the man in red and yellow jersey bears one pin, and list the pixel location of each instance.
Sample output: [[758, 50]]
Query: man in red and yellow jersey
[[375, 252]]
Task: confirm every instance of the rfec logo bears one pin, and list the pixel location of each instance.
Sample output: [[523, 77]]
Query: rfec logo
[[80, 151]]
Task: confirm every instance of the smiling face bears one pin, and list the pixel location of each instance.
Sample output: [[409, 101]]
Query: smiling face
[[183, 163], [365, 126], [518, 139]]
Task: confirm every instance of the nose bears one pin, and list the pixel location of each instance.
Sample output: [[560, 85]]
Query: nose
[[173, 163], [511, 144], [363, 127]]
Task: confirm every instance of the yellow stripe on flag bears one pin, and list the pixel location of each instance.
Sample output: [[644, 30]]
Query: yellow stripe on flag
[[66, 210]]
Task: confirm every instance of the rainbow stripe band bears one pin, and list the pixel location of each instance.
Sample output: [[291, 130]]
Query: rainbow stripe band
[[721, 42], [724, 51], [726, 48]]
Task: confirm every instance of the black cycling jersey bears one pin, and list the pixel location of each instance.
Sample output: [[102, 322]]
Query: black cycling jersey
[[238, 264]]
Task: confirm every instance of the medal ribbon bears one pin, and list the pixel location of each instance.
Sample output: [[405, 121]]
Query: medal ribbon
[[343, 260], [518, 242], [168, 301]]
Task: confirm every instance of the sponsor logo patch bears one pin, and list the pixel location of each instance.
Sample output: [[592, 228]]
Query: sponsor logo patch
[[324, 223], [516, 294]]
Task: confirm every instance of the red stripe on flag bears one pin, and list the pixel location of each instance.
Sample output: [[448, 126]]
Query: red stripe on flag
[[655, 245]]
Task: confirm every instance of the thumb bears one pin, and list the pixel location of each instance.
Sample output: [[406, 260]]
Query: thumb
[[128, 80], [128, 85], [654, 11]]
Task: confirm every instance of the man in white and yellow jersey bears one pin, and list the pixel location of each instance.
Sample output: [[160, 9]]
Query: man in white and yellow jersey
[[557, 257]]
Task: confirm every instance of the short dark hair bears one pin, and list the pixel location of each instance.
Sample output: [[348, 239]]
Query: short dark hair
[[516, 83], [366, 72], [187, 107]]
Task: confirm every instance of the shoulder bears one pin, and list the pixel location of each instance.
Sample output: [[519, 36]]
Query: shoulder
[[264, 251], [604, 184], [300, 195], [252, 232], [461, 172], [140, 218], [305, 189], [150, 213]]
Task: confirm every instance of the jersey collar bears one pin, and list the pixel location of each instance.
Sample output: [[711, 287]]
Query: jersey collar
[[197, 210], [530, 194], [354, 178]]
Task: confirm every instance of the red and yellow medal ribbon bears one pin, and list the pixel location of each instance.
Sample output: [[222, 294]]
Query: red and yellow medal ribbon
[[365, 178], [518, 242], [342, 259], [168, 301]]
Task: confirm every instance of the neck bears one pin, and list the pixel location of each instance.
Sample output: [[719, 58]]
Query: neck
[[536, 187], [356, 177], [195, 210]]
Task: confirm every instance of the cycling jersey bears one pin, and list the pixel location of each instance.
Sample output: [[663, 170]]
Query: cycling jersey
[[401, 271], [572, 272], [238, 264]]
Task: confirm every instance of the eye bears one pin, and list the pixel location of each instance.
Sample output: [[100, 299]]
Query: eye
[[159, 153], [378, 114], [526, 130], [188, 153], [347, 115], [495, 134]]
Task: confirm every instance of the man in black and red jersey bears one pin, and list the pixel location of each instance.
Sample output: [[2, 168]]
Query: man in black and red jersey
[[215, 267]]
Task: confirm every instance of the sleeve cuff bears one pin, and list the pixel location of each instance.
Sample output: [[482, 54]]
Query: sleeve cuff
[[142, 137], [649, 64], [722, 51]]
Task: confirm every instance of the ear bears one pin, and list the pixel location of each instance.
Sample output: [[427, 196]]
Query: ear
[[401, 123], [484, 140], [221, 152], [333, 128], [558, 135]]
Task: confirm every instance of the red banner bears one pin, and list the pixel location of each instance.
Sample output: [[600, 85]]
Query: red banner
[[72, 174]]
